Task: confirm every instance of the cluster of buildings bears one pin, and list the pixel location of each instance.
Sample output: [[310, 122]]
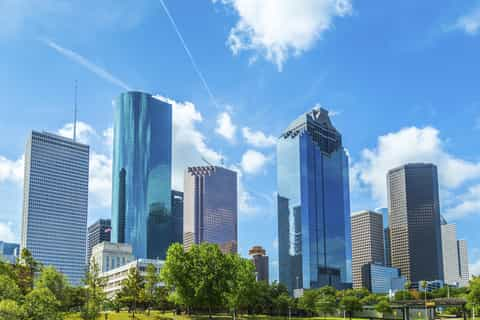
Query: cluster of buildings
[[320, 243]]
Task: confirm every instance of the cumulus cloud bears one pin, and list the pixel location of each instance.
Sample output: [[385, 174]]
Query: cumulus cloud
[[6, 232], [11, 170], [410, 145], [467, 204], [470, 23], [84, 132], [246, 206], [253, 161], [258, 138], [277, 29], [225, 126]]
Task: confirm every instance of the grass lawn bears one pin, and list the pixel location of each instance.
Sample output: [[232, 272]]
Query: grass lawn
[[154, 315]]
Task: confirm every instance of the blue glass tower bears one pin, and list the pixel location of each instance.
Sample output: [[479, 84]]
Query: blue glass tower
[[142, 166], [313, 204]]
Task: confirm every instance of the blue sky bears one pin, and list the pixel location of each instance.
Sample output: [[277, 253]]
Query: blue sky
[[400, 78]]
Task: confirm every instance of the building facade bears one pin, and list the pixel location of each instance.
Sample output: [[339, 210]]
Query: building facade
[[9, 251], [98, 232], [379, 279], [260, 260], [113, 279], [55, 203], [210, 207], [177, 213], [367, 243], [463, 263], [142, 166], [451, 266], [414, 208], [386, 236], [313, 204], [108, 256]]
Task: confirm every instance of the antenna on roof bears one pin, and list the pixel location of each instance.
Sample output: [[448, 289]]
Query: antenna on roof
[[75, 114], [207, 162]]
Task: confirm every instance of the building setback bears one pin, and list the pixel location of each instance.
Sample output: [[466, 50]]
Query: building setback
[[98, 232], [210, 207], [313, 204], [142, 166], [260, 260], [414, 209], [367, 243], [55, 203]]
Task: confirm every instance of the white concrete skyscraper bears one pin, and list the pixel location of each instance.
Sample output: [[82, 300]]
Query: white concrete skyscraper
[[451, 266], [55, 203]]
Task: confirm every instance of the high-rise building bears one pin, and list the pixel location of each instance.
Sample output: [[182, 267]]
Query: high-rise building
[[108, 256], [463, 263], [55, 203], [313, 204], [415, 222], [142, 166], [367, 243], [451, 267], [98, 232], [260, 260], [386, 236], [9, 251], [379, 279], [210, 207], [177, 213]]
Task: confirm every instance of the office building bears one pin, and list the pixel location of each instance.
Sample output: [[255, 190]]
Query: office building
[[451, 266], [210, 207], [108, 256], [379, 279], [386, 236], [177, 213], [55, 203], [463, 263], [260, 260], [414, 210], [97, 233], [9, 251], [142, 166], [113, 279], [367, 243], [313, 204]]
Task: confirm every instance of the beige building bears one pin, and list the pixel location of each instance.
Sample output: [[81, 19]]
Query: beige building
[[114, 278], [367, 243], [108, 255]]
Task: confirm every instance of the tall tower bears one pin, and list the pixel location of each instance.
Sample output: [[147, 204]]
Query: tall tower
[[98, 232], [142, 166], [463, 262], [55, 203], [367, 243], [313, 204], [415, 221], [210, 207]]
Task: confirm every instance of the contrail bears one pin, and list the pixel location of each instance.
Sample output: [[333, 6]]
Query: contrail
[[102, 73], [189, 54]]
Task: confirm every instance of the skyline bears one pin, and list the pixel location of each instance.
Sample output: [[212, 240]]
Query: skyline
[[392, 111]]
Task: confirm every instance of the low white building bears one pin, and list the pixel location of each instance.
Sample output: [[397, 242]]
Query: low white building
[[109, 256], [114, 278]]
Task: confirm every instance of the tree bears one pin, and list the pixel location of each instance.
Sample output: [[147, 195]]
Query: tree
[[41, 304], [241, 291], [308, 302], [9, 289], [56, 282], [350, 303], [10, 310], [473, 296], [150, 290], [383, 306], [370, 300], [131, 292], [326, 304], [403, 295], [94, 295], [25, 270]]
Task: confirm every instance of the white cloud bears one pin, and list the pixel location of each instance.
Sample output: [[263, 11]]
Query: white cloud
[[12, 171], [253, 161], [100, 184], [468, 204], [6, 232], [258, 138], [245, 199], [84, 132], [410, 145], [278, 29], [225, 126], [470, 23]]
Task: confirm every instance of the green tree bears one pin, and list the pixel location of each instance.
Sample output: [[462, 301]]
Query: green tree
[[10, 310], [9, 289], [350, 303], [370, 300], [308, 302], [132, 289], [326, 303], [151, 288], [56, 282], [41, 304], [25, 270], [241, 291], [282, 303], [383, 306], [403, 295], [473, 296], [94, 295]]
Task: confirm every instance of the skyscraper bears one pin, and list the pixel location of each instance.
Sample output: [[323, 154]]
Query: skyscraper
[[313, 204], [415, 222], [210, 207], [177, 213], [367, 243], [463, 262], [386, 236], [97, 233], [260, 260], [142, 166], [9, 251], [55, 203], [451, 267]]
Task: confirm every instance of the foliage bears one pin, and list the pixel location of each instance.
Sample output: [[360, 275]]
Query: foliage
[[326, 303], [56, 282], [94, 295], [383, 306], [308, 302], [41, 304], [370, 300], [152, 295], [350, 303], [473, 296], [132, 289], [9, 289], [403, 295], [10, 310], [241, 290], [25, 270]]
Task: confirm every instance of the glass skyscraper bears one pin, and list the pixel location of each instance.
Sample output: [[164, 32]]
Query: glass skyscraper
[[142, 166], [313, 204], [55, 203]]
